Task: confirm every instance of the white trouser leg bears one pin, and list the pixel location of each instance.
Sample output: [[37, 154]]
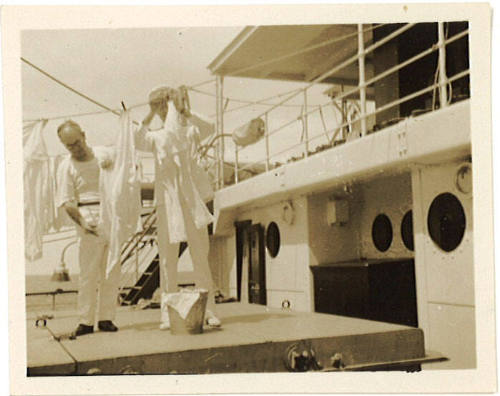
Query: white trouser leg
[[108, 291], [169, 254], [198, 245], [92, 251]]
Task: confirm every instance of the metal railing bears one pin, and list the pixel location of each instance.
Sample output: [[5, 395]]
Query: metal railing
[[440, 85], [132, 247]]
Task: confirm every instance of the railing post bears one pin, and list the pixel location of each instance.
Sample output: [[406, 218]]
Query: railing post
[[345, 129], [306, 130], [266, 135], [236, 178], [136, 265], [220, 130], [443, 80], [362, 87]]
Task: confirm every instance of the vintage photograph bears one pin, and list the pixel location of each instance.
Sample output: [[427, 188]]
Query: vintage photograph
[[253, 198]]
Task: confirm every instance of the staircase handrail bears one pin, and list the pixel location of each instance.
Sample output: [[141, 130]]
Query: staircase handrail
[[138, 237]]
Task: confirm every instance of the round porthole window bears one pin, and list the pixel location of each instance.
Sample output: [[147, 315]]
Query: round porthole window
[[446, 221], [382, 232], [273, 239], [407, 230]]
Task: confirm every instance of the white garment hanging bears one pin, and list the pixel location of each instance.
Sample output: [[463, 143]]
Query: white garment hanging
[[38, 195], [60, 217], [179, 180], [120, 190]]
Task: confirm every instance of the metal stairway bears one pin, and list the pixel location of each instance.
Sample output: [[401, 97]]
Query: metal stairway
[[145, 285], [149, 281]]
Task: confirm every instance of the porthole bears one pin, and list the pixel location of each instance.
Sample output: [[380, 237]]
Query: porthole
[[446, 221], [407, 230], [463, 179], [273, 239], [382, 232]]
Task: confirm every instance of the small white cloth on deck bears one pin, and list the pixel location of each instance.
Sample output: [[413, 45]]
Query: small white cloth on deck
[[184, 301]]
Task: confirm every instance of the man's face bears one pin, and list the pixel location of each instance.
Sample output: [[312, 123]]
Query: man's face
[[73, 139], [158, 99]]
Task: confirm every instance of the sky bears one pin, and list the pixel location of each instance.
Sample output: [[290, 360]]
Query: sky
[[115, 65], [110, 66]]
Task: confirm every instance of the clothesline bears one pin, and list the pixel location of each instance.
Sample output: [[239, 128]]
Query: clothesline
[[107, 109], [328, 73], [193, 87], [68, 87], [142, 156], [246, 103], [68, 116]]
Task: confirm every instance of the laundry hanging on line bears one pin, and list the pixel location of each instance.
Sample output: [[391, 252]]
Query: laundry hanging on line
[[38, 195], [120, 191], [181, 186], [61, 219]]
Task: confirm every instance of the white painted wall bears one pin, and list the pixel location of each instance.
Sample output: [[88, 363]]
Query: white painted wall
[[288, 275], [385, 195], [390, 195], [445, 280], [222, 258], [332, 243]]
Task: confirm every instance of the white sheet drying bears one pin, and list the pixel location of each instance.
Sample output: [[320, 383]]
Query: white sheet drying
[[120, 190], [38, 195]]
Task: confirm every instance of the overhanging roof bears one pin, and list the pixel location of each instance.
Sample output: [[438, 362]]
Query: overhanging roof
[[261, 52]]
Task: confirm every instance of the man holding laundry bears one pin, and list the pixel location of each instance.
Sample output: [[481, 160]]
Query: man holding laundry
[[78, 192], [181, 190]]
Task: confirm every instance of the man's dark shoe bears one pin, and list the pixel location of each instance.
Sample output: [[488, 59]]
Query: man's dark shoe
[[107, 325], [82, 330]]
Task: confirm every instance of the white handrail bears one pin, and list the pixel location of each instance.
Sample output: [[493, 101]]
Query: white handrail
[[442, 66], [305, 126], [376, 111], [354, 90], [401, 65], [362, 86], [346, 63], [266, 120], [375, 78]]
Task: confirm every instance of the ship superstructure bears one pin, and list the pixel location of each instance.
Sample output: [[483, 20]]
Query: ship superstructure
[[376, 221]]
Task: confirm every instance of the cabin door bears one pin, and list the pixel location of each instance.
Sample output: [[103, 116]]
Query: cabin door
[[257, 266], [251, 268]]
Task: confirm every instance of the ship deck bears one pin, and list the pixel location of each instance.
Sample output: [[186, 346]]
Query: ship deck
[[253, 338]]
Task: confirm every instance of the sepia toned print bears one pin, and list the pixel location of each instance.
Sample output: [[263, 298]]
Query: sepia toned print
[[252, 199]]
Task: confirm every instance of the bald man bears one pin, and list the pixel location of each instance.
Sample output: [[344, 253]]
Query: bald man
[[78, 193]]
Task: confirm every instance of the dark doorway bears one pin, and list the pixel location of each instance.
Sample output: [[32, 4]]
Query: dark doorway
[[257, 266], [250, 256]]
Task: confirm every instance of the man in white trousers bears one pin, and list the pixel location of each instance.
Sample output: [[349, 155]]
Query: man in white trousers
[[181, 189], [78, 193]]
